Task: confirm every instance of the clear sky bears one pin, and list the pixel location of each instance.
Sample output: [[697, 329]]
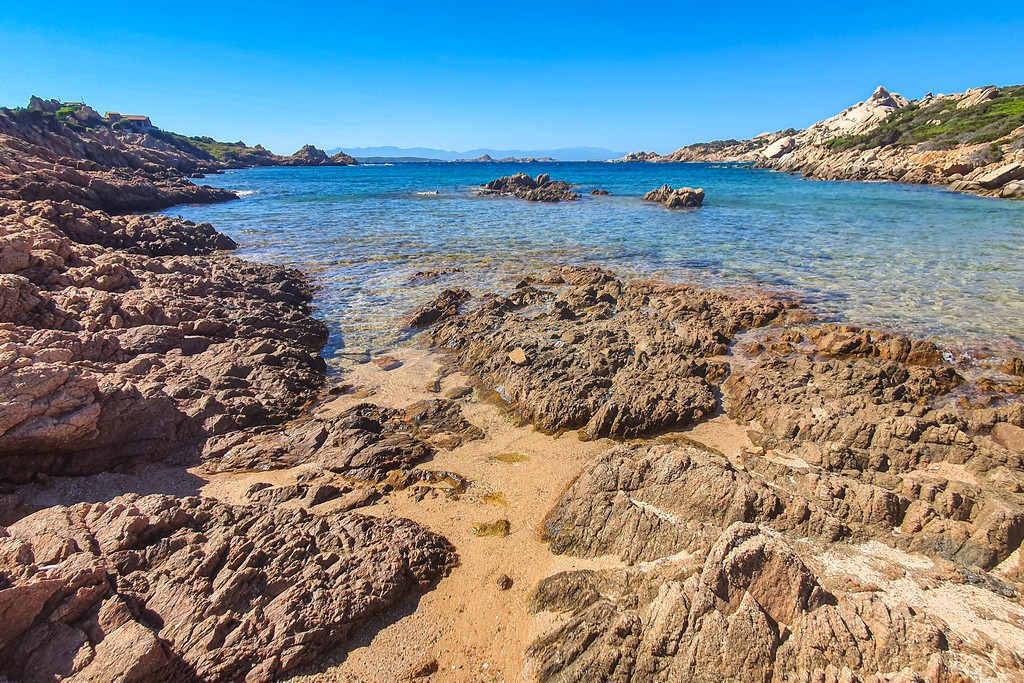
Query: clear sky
[[627, 75]]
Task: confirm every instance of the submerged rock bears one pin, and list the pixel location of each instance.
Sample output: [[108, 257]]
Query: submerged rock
[[539, 189]]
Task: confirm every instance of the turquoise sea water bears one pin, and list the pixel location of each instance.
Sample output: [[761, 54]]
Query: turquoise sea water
[[919, 260]]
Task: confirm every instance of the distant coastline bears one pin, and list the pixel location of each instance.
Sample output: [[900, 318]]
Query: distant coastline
[[393, 154], [971, 142]]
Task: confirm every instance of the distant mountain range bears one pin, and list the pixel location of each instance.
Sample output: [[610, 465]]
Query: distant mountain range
[[417, 153]]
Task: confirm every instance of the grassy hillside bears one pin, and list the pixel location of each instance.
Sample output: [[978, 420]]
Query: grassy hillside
[[942, 126], [208, 148]]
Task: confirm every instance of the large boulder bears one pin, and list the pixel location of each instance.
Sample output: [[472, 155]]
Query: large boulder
[[1001, 176], [1012, 191], [779, 148]]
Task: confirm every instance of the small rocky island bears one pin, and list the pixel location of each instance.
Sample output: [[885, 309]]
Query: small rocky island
[[539, 189], [683, 197]]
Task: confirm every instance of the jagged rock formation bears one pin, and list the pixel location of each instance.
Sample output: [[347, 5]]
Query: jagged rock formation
[[127, 339], [683, 197], [53, 151], [598, 354], [752, 611], [43, 158], [640, 156], [973, 142], [156, 588], [861, 403], [539, 189]]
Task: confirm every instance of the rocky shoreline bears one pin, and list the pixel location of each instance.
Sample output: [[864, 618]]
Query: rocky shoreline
[[132, 339], [854, 437], [578, 478], [970, 142]]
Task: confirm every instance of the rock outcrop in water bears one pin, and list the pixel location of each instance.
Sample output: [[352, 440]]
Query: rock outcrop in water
[[789, 559], [313, 156], [683, 197], [972, 142], [539, 189]]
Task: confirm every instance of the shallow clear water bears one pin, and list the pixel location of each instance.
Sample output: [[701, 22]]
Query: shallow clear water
[[919, 260]]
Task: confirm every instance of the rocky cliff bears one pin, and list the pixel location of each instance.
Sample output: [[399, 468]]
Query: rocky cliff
[[972, 141]]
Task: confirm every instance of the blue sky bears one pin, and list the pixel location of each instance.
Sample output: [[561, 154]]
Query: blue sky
[[626, 76]]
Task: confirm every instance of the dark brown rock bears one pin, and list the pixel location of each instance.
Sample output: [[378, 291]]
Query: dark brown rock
[[444, 306], [366, 442]]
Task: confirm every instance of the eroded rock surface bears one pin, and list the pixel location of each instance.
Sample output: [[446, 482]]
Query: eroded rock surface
[[157, 588], [127, 339], [751, 611], [539, 189], [366, 442], [585, 350], [872, 473]]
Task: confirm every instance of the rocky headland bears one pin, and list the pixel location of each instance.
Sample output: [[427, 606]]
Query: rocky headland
[[74, 135], [970, 142]]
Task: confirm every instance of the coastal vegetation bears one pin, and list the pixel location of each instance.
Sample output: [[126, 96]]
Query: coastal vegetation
[[207, 147], [942, 124]]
